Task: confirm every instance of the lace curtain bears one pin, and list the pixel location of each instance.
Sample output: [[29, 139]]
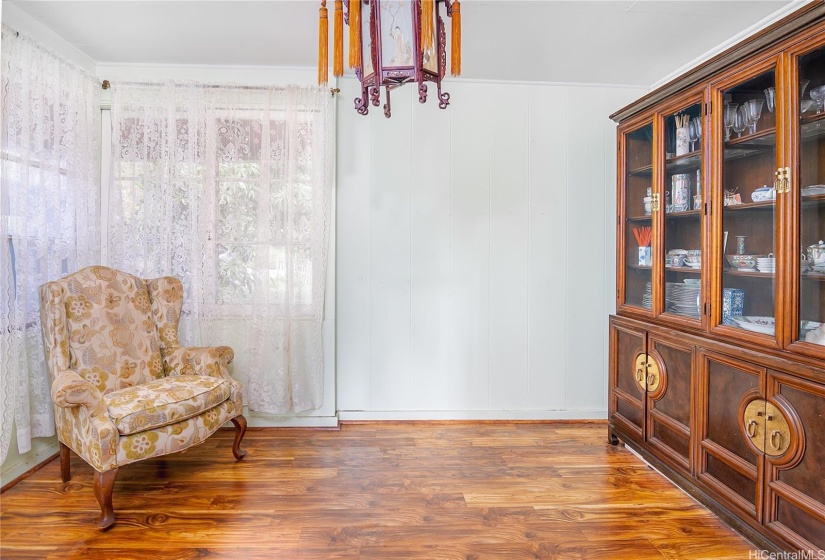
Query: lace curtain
[[229, 188], [49, 218]]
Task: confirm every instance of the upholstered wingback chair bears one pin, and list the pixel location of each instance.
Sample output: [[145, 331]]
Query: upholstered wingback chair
[[124, 390]]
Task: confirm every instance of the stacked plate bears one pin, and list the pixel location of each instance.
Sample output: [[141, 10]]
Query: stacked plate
[[766, 264], [683, 299], [647, 297]]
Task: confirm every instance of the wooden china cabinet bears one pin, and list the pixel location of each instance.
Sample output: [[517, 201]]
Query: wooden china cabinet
[[717, 349]]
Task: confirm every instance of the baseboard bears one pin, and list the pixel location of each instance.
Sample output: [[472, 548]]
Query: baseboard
[[257, 420], [32, 463], [371, 415]]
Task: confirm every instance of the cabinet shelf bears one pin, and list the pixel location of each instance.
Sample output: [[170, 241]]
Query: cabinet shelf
[[813, 200], [683, 215], [760, 139], [767, 205], [641, 171], [814, 276], [638, 267], [748, 273], [683, 269], [812, 127], [692, 160], [639, 219]]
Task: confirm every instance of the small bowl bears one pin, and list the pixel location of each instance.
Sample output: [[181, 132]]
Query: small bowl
[[743, 262], [804, 105]]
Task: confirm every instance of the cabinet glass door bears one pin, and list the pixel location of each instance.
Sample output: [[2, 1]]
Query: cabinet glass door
[[683, 132], [810, 117], [639, 203], [748, 236]]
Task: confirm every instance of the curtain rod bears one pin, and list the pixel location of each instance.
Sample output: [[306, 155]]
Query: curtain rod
[[106, 85]]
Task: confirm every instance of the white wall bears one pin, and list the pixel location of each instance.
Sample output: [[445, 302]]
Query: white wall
[[475, 252]]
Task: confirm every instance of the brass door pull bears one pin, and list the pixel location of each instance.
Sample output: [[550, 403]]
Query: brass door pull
[[760, 412], [776, 439]]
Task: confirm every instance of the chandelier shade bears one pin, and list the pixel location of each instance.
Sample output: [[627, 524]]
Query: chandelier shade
[[391, 43]]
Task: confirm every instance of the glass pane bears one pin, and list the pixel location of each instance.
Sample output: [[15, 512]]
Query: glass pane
[[749, 213], [812, 213], [638, 187], [683, 212]]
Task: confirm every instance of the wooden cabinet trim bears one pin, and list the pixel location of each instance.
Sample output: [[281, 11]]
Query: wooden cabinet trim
[[799, 24]]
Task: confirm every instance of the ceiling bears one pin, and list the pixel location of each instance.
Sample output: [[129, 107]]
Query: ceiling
[[583, 41]]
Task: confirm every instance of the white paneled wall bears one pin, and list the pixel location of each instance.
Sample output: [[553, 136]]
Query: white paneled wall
[[475, 266]]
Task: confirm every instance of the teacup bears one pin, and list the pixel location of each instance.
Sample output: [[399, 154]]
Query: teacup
[[674, 261]]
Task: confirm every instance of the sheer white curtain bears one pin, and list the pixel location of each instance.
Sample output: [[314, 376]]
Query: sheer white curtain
[[229, 188], [49, 217]]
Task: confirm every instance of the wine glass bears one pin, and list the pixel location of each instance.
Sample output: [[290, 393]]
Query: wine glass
[[693, 134], [770, 96], [697, 122], [754, 111], [730, 116], [740, 121]]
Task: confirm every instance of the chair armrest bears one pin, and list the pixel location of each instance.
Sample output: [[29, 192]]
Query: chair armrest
[[198, 360], [69, 389]]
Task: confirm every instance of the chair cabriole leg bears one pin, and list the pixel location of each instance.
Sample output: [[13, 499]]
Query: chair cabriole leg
[[240, 430], [103, 485], [65, 462]]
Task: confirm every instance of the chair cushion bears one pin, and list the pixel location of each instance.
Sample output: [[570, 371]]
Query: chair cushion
[[164, 401]]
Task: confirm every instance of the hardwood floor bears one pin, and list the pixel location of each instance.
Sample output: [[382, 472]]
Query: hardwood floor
[[383, 491]]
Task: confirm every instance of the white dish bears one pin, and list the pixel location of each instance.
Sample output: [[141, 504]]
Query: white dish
[[764, 325], [694, 265], [692, 281], [813, 190]]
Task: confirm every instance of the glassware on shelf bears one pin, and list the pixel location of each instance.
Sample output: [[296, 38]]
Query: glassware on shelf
[[730, 117], [804, 105], [818, 95], [770, 97], [740, 244], [693, 134], [740, 121], [803, 85], [754, 111], [697, 124]]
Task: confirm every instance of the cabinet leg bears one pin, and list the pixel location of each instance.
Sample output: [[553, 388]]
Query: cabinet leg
[[612, 438]]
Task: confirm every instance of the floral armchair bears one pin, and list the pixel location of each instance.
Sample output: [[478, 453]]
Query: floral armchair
[[124, 390]]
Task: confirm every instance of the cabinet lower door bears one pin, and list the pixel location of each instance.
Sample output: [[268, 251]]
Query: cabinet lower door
[[669, 401], [795, 494], [728, 465], [627, 397]]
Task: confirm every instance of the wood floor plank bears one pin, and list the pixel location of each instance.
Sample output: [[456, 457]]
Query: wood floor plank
[[433, 491]]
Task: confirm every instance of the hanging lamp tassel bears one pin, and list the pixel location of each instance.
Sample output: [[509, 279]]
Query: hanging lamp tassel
[[427, 7], [455, 59], [323, 43], [338, 40], [354, 33]]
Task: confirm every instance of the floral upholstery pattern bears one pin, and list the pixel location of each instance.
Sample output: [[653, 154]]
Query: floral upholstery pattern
[[164, 401], [123, 388]]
